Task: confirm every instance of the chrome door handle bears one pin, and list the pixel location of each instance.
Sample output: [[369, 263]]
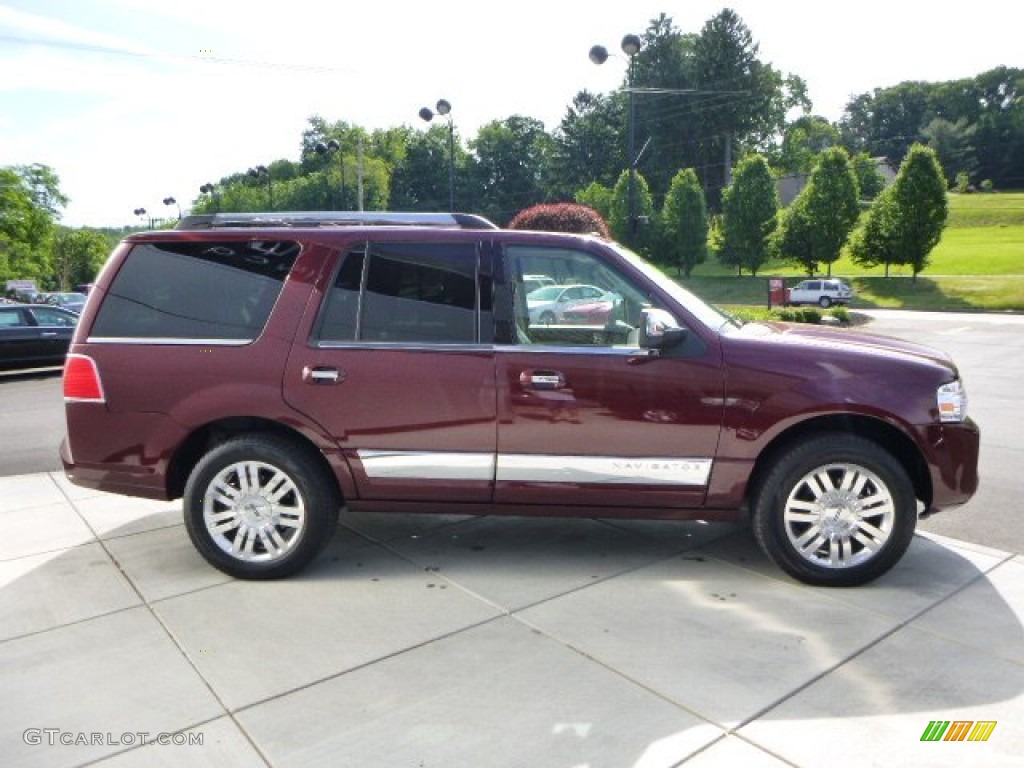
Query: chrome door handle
[[322, 374], [542, 380]]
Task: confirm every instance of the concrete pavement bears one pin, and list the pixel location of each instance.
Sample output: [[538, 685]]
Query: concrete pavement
[[422, 641]]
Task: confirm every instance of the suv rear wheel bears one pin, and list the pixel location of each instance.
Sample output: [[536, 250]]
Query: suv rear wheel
[[836, 510], [825, 302], [259, 507]]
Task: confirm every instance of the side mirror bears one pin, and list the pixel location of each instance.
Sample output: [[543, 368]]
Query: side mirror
[[658, 330]]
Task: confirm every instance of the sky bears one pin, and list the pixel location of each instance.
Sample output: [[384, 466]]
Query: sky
[[133, 101]]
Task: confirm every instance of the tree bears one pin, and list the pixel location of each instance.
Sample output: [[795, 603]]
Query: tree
[[749, 208], [636, 234], [793, 239], [78, 255], [906, 220], [598, 197], [561, 217], [823, 214], [684, 221], [869, 180], [919, 194], [982, 120], [747, 100], [507, 170], [804, 139], [874, 240], [588, 145], [888, 121], [701, 93], [30, 202], [420, 180], [953, 145]]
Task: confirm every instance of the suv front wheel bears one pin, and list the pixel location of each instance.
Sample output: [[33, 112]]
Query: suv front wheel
[[835, 510], [259, 507]]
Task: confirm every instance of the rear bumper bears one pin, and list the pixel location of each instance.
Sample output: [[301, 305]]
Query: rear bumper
[[126, 481]]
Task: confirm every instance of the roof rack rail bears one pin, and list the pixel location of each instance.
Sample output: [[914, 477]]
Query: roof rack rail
[[335, 219]]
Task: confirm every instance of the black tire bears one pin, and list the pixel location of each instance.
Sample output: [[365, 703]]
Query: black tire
[[825, 302], [851, 527], [547, 318], [273, 500]]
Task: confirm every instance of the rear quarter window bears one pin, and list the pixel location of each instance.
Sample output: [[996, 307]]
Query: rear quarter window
[[195, 291]]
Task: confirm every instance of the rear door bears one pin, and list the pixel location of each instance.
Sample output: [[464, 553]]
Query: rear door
[[399, 368], [19, 338]]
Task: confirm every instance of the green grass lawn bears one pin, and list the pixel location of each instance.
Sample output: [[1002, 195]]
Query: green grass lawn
[[986, 210], [978, 265]]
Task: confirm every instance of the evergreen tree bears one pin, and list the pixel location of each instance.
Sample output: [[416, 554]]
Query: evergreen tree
[[684, 221], [749, 209]]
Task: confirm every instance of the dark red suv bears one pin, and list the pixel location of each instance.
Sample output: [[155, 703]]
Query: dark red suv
[[272, 369]]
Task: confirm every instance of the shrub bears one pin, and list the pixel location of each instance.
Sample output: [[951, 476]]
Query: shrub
[[561, 217], [842, 314], [987, 185]]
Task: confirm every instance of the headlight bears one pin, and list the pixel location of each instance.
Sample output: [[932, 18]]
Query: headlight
[[952, 401]]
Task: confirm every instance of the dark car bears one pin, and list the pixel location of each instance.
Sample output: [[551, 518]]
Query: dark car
[[34, 335], [270, 372]]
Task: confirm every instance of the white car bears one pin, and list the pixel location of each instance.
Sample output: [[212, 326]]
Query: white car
[[547, 304], [824, 292]]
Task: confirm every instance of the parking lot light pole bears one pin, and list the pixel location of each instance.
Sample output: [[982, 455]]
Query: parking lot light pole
[[631, 45], [171, 201], [444, 109], [330, 148], [143, 214]]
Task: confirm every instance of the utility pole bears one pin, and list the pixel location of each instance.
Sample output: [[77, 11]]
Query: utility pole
[[360, 177]]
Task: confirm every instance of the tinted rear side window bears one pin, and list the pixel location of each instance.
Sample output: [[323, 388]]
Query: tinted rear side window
[[195, 291], [405, 292]]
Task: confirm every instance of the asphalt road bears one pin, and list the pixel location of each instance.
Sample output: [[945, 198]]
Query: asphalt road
[[989, 350], [31, 422]]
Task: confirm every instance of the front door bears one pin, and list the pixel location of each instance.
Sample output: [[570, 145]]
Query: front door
[[587, 418], [400, 373]]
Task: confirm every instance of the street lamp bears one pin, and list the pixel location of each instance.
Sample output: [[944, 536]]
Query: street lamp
[[210, 189], [330, 148], [141, 213], [444, 109], [262, 172], [631, 45], [171, 201]]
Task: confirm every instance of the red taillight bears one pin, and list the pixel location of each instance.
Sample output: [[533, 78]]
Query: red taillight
[[82, 380]]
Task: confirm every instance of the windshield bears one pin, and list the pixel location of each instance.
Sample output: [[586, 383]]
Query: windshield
[[710, 316]]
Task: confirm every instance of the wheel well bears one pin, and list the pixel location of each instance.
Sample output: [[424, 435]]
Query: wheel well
[[207, 437], [885, 435]]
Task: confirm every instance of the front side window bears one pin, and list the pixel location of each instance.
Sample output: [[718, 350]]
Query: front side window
[[591, 304], [201, 291], [405, 292]]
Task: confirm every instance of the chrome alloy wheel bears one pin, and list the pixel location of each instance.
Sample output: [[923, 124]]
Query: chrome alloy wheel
[[839, 515], [253, 511]]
